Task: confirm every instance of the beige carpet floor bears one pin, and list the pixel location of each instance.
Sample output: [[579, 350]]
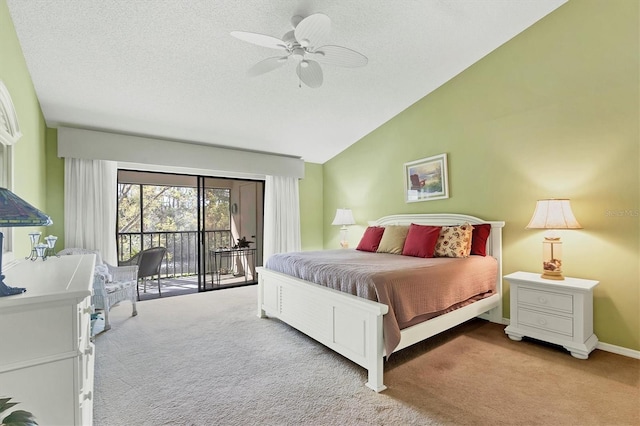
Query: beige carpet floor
[[206, 359]]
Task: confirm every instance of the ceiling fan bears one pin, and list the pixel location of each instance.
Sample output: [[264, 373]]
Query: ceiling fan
[[303, 44]]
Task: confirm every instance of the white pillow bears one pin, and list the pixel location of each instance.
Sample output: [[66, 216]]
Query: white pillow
[[104, 271]]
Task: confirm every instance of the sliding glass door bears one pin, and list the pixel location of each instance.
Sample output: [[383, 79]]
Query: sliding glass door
[[230, 230], [215, 228], [211, 227]]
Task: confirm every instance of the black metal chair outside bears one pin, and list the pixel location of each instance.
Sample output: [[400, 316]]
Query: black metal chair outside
[[149, 262]]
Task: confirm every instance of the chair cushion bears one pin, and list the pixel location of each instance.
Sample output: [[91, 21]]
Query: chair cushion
[[116, 286]]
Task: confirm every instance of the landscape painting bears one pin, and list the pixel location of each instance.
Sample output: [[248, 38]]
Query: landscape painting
[[426, 179]]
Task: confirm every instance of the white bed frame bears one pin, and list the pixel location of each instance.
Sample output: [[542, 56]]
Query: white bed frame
[[352, 326]]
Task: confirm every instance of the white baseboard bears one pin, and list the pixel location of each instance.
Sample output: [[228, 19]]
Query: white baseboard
[[605, 347], [618, 350]]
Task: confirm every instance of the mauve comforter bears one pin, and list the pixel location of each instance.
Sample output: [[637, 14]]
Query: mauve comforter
[[412, 287]]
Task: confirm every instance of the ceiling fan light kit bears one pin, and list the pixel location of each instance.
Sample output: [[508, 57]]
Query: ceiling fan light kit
[[303, 44]]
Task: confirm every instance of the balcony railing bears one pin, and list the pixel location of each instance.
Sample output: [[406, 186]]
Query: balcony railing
[[182, 252]]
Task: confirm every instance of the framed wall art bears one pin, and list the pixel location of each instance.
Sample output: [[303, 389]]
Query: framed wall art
[[426, 179]]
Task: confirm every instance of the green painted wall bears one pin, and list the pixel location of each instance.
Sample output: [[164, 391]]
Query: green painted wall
[[310, 188], [30, 165], [55, 187], [552, 113]]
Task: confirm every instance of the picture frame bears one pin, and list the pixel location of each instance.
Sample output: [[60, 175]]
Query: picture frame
[[426, 179]]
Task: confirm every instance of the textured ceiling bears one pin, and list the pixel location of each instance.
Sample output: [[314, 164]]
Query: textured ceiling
[[170, 69]]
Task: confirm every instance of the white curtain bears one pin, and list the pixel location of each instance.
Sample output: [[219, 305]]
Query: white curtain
[[90, 205], [281, 216]]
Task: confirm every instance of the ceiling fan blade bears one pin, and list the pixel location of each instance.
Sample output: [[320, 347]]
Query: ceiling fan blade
[[313, 30], [339, 56], [310, 73], [267, 65], [260, 39]]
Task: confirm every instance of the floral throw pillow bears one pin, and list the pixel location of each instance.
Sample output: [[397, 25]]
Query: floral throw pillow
[[454, 241]]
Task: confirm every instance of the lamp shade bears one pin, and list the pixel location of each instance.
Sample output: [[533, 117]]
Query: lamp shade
[[553, 214], [14, 211], [343, 217]]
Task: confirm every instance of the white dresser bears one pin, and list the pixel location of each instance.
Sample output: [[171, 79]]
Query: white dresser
[[555, 311], [46, 356]]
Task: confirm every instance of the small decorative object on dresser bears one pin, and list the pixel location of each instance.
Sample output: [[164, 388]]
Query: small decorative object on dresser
[[559, 312], [51, 245], [34, 237], [40, 250]]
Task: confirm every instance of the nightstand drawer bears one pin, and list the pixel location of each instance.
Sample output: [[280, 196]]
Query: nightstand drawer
[[545, 299], [543, 321]]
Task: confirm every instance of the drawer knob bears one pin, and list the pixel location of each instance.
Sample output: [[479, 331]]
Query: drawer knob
[[542, 299], [88, 395], [542, 321], [89, 351]]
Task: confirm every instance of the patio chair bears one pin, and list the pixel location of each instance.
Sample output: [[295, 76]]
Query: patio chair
[[148, 262], [111, 284]]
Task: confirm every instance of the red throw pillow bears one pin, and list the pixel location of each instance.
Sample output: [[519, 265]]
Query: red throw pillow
[[479, 239], [371, 239], [421, 240]]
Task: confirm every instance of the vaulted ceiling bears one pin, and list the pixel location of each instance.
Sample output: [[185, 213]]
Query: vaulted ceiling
[[170, 69]]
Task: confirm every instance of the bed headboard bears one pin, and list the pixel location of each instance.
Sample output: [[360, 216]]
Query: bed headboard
[[494, 243]]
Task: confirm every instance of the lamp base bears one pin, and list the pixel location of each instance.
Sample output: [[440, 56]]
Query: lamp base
[[344, 240], [5, 290], [552, 275]]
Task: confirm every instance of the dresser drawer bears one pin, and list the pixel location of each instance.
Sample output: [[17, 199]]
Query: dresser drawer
[[546, 299], [46, 390], [545, 322], [36, 333]]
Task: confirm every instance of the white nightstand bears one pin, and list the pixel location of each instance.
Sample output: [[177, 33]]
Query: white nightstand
[[559, 312]]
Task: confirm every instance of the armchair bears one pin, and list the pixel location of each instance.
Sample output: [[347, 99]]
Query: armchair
[[111, 284]]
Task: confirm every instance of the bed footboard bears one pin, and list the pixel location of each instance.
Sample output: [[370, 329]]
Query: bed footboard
[[347, 324], [352, 326]]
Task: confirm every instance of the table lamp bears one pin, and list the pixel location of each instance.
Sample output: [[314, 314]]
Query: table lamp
[[14, 211], [343, 217], [552, 214]]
